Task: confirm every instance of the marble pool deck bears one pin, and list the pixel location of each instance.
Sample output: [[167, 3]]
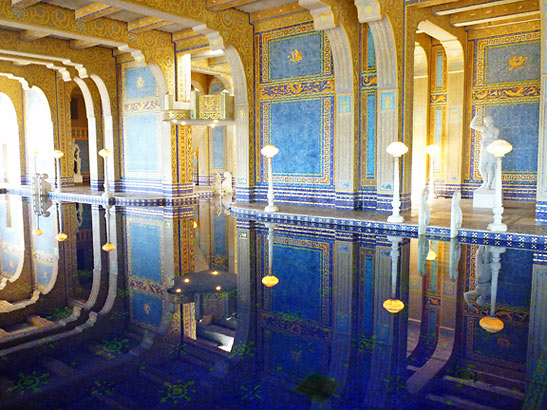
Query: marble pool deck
[[518, 216]]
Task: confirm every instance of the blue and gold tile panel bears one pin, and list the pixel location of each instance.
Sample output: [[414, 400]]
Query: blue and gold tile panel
[[304, 133], [294, 52], [141, 143], [144, 250], [146, 309], [139, 82]]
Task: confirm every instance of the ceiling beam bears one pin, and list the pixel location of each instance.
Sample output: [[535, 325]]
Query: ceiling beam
[[24, 3], [81, 44], [468, 5], [146, 24], [217, 5], [30, 35], [512, 21], [497, 13], [94, 11], [275, 12]]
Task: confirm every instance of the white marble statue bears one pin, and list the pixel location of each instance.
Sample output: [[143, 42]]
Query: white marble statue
[[483, 278], [454, 262], [423, 250], [424, 216], [456, 215], [217, 184], [227, 184], [77, 163], [487, 162]]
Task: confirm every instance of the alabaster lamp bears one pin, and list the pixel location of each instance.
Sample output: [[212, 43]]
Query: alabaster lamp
[[499, 148], [394, 305], [270, 280], [396, 149], [58, 155], [105, 154], [269, 151], [433, 151], [61, 236], [108, 246], [492, 323]]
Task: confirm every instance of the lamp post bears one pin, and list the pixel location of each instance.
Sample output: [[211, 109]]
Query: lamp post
[[396, 149], [108, 246], [270, 280], [433, 151], [105, 154], [34, 156], [269, 151], [61, 236], [58, 155], [498, 148]]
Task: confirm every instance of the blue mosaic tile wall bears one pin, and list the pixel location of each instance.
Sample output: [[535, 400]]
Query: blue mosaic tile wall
[[295, 101], [367, 121], [145, 276], [140, 128], [506, 85]]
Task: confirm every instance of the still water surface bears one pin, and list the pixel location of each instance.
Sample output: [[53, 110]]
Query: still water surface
[[177, 316]]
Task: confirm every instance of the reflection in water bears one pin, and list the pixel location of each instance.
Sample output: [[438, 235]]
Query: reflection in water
[[176, 315]]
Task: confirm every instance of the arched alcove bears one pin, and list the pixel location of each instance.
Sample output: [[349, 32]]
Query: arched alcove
[[39, 133], [420, 123], [451, 124], [10, 167]]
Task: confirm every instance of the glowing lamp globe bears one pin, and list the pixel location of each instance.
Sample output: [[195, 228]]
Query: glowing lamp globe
[[270, 281], [105, 153], [195, 224], [108, 247], [433, 150], [393, 305], [491, 324], [37, 232], [431, 255], [61, 236], [269, 151], [397, 149], [58, 154], [499, 148]]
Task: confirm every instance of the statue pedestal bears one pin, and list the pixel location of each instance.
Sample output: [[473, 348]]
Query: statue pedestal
[[484, 198]]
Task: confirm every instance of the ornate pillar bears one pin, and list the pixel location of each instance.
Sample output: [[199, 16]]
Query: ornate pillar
[[388, 101], [541, 199]]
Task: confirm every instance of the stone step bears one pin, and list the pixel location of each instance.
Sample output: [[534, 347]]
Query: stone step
[[450, 401], [59, 368], [482, 392]]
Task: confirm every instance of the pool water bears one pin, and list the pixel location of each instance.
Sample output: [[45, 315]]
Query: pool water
[[176, 315]]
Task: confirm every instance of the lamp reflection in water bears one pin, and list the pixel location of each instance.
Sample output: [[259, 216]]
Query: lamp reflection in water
[[396, 149], [487, 267], [58, 155], [108, 246], [394, 305], [270, 280], [498, 148], [105, 154], [269, 151], [61, 236], [492, 323]]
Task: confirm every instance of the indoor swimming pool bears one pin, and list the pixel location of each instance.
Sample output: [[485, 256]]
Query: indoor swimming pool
[[167, 307]]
